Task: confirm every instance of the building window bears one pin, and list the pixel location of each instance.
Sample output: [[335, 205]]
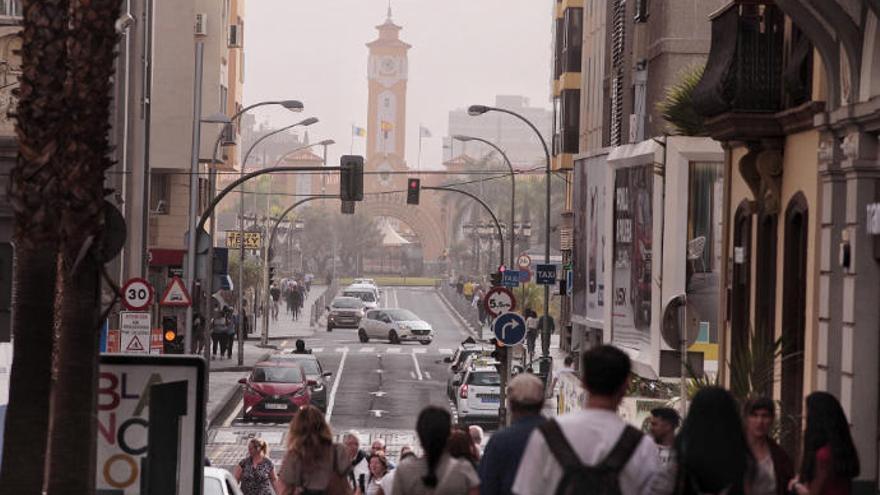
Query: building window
[[569, 121], [160, 193], [11, 8], [557, 62], [641, 11], [224, 96], [740, 294], [573, 35]]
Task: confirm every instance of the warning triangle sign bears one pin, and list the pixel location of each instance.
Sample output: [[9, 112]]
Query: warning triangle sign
[[175, 294], [135, 345]]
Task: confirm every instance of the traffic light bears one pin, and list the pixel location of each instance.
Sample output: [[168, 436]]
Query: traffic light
[[348, 207], [495, 279], [271, 275], [413, 188], [172, 341], [351, 178]]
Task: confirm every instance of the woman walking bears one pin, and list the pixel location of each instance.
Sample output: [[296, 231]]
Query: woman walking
[[830, 461], [313, 463], [256, 473], [378, 471], [437, 473]]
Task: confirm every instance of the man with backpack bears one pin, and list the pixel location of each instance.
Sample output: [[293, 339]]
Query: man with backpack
[[593, 451]]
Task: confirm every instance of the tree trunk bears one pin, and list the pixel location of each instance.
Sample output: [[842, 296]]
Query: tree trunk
[[91, 62], [34, 194]]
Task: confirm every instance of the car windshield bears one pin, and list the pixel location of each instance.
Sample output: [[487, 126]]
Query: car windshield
[[276, 374], [213, 486], [485, 378], [365, 296], [310, 366], [401, 315], [348, 303]]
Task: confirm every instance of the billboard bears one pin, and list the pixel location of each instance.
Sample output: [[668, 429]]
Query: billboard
[[632, 248], [151, 417], [595, 239]]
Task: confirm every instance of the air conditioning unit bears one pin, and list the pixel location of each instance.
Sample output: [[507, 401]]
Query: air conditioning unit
[[234, 36], [201, 24]]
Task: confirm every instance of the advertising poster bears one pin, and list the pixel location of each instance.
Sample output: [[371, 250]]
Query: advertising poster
[[595, 240], [579, 284], [633, 243]]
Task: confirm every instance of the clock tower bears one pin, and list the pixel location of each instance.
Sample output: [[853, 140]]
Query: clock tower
[[386, 121]]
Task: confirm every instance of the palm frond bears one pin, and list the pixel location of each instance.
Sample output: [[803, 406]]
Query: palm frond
[[677, 107]]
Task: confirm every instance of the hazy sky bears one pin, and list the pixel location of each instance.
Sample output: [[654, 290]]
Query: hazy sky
[[464, 52]]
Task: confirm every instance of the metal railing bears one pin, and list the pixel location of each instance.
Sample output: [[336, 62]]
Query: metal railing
[[321, 303]]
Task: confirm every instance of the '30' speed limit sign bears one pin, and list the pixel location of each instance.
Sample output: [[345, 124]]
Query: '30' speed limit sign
[[137, 294]]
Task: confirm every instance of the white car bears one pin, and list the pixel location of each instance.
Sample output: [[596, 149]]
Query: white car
[[365, 294], [220, 482], [396, 325], [479, 395]]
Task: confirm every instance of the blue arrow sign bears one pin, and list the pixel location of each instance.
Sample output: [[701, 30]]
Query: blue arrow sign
[[509, 328]]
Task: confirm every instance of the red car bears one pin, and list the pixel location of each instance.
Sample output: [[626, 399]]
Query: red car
[[275, 389]]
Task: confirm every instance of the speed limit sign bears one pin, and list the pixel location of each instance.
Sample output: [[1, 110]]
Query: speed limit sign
[[499, 300], [137, 294]]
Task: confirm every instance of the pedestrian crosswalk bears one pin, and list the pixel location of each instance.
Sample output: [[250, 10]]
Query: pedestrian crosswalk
[[386, 350]]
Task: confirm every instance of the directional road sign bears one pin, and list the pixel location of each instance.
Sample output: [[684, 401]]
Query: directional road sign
[[137, 294], [499, 300], [509, 328], [510, 278], [546, 274]]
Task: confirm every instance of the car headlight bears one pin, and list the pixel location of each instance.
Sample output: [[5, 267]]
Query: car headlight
[[301, 392], [317, 388], [404, 328]]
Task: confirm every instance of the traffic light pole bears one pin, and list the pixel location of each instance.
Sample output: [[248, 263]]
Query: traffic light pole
[[264, 336]]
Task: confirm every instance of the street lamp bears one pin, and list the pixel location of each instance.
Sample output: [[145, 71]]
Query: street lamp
[[476, 110], [326, 142], [465, 139]]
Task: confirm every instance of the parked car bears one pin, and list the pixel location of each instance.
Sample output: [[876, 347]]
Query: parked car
[[275, 389], [344, 312], [220, 482], [479, 395], [317, 378], [396, 325], [459, 363], [366, 294]]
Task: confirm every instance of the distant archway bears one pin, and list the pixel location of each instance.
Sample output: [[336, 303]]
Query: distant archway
[[428, 229]]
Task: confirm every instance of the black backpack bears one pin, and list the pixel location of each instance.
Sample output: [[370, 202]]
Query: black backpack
[[578, 479]]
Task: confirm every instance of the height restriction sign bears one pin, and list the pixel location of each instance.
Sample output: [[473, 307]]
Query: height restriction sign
[[499, 300]]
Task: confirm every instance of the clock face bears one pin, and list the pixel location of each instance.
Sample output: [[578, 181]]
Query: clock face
[[384, 173], [388, 66]]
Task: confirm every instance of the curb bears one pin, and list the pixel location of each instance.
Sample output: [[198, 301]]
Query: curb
[[231, 399], [463, 322]]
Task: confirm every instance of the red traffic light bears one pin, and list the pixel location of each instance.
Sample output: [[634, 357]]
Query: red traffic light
[[413, 188], [414, 184]]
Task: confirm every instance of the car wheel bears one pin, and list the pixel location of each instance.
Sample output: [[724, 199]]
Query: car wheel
[[425, 342], [393, 337], [362, 336]]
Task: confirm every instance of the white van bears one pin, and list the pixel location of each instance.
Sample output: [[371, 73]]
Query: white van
[[366, 294]]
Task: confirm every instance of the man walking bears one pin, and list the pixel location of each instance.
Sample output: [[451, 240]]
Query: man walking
[[664, 422], [501, 458], [547, 326], [777, 466], [596, 436]]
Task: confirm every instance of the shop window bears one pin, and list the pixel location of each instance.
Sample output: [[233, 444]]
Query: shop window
[[794, 306], [740, 290], [160, 193]]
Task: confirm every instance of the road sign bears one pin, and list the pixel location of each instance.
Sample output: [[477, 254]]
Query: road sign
[[137, 294], [546, 274], [510, 278], [252, 240], [509, 328], [150, 407], [524, 276], [176, 294], [134, 331], [499, 300], [524, 261]]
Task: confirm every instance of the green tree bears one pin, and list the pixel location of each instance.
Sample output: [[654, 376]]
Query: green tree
[[677, 107]]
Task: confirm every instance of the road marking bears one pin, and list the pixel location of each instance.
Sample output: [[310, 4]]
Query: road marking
[[367, 349], [393, 350], [458, 325], [342, 349], [416, 363], [378, 393], [283, 344], [420, 351], [428, 375], [317, 350], [412, 374], [446, 351], [332, 401]]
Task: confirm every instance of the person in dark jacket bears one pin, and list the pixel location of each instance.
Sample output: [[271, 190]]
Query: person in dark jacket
[[760, 415]]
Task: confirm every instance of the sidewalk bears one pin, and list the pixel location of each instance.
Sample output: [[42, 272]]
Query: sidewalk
[[223, 387]]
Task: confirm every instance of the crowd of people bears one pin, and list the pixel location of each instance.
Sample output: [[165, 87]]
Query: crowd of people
[[293, 291], [719, 448]]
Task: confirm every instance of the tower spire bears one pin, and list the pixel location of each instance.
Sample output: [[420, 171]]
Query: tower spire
[[389, 10]]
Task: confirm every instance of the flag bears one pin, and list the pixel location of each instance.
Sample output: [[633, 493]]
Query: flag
[[424, 132], [358, 131], [386, 126]]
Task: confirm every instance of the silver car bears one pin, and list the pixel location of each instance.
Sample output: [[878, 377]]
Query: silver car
[[396, 325]]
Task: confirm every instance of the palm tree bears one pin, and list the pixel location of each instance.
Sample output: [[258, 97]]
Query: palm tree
[[35, 196], [91, 59]]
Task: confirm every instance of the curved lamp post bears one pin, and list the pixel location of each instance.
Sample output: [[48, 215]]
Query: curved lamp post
[[465, 139], [476, 110], [239, 302]]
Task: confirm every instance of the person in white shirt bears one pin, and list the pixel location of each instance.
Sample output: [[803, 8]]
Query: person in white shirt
[[592, 433]]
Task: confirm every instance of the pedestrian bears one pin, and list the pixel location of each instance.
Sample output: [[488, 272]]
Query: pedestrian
[[219, 326], [313, 464], [476, 433], [830, 461], [617, 457], [297, 301], [664, 422], [531, 331], [228, 337], [461, 446], [360, 462], [711, 451], [275, 293], [378, 471], [546, 325], [377, 446], [436, 473], [760, 415], [289, 299], [198, 338], [300, 347], [501, 458], [387, 483], [256, 472], [245, 319], [567, 368]]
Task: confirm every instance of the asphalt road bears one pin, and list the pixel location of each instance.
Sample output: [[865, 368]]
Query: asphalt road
[[377, 388]]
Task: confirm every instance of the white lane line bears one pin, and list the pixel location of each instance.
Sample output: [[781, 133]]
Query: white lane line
[[317, 350], [416, 363], [342, 349], [427, 374], [332, 401], [393, 350], [365, 350], [452, 318], [420, 351], [444, 350]]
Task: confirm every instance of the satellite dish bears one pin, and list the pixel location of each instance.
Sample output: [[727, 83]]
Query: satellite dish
[[671, 330]]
